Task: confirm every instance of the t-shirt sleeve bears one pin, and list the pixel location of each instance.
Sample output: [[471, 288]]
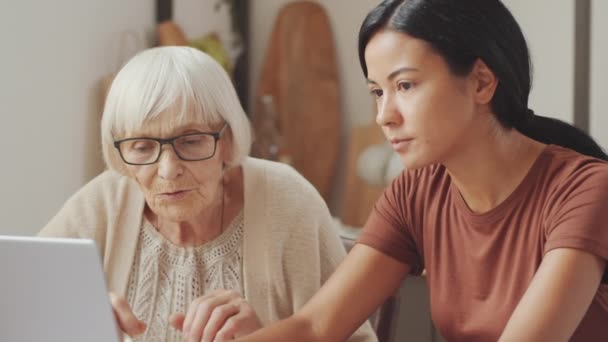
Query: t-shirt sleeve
[[580, 219], [388, 230]]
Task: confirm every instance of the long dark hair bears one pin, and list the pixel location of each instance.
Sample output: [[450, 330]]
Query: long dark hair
[[462, 31]]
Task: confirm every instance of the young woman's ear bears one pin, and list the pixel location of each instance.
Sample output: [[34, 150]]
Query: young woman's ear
[[486, 82]]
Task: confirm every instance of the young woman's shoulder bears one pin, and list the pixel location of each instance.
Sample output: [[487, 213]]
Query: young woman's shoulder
[[572, 184], [565, 166]]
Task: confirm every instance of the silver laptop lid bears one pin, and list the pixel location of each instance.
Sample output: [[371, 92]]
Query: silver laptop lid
[[53, 290]]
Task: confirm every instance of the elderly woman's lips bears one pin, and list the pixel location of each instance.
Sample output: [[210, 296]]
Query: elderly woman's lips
[[175, 195]]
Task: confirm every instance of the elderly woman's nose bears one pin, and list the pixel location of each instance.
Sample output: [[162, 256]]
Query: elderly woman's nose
[[169, 164]]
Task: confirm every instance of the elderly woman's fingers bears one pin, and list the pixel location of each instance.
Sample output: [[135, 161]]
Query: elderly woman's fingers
[[218, 318], [230, 330], [239, 325], [176, 320], [200, 310], [210, 300], [246, 322], [126, 320], [202, 315], [191, 313]]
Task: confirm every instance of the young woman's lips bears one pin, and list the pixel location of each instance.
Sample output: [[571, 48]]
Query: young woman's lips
[[401, 145]]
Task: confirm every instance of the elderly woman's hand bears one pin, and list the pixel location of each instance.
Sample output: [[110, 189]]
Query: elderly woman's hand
[[125, 318], [219, 316]]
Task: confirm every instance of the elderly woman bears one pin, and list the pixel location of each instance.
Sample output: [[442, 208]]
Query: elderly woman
[[197, 239]]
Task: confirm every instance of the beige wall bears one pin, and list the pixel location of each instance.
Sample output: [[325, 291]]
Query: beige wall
[[549, 29], [599, 72], [54, 54]]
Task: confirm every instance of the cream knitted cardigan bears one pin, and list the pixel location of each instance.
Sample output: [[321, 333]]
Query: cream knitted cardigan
[[290, 246]]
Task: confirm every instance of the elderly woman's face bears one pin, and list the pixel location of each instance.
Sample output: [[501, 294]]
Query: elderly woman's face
[[176, 189]]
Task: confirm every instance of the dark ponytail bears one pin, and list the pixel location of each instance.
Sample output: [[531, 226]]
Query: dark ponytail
[[462, 31], [554, 131]]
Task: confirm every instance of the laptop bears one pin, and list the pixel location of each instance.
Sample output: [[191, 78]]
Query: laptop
[[53, 290]]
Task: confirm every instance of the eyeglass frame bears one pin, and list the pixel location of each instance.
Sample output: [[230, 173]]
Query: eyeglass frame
[[216, 137]]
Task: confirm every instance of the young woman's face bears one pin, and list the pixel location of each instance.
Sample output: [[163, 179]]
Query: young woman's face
[[177, 190], [424, 110]]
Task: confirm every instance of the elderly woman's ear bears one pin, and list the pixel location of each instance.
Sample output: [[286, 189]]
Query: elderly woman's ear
[[226, 146]]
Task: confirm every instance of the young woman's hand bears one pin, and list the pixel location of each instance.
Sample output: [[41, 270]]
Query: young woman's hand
[[219, 316], [125, 318]]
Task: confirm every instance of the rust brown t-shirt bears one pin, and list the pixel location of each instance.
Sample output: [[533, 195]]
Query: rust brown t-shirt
[[478, 266]]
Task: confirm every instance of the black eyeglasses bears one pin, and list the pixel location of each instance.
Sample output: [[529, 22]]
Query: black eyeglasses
[[188, 147]]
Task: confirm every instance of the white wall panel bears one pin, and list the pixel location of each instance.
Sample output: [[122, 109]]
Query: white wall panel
[[549, 29], [54, 55], [599, 72]]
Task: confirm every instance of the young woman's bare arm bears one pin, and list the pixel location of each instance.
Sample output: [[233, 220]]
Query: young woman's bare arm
[[360, 284], [558, 297]]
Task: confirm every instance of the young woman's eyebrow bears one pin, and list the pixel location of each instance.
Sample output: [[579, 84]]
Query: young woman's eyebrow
[[394, 74]]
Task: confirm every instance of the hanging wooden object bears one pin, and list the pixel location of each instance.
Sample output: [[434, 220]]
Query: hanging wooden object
[[300, 73]]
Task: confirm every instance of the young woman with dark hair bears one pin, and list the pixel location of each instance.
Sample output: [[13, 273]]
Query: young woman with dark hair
[[506, 211]]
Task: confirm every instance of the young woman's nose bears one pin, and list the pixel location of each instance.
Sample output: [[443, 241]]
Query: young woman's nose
[[388, 112]]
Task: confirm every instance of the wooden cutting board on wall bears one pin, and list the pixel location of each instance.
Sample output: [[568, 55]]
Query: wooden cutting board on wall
[[360, 196], [300, 72]]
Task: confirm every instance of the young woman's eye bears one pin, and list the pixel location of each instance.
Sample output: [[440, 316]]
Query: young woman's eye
[[405, 85], [376, 92]]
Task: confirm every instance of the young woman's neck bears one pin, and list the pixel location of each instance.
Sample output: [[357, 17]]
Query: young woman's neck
[[490, 164]]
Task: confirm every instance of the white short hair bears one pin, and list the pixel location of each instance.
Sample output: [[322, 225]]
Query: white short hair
[[181, 82]]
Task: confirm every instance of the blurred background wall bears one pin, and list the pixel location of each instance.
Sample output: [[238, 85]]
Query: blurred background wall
[[599, 72], [54, 55]]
